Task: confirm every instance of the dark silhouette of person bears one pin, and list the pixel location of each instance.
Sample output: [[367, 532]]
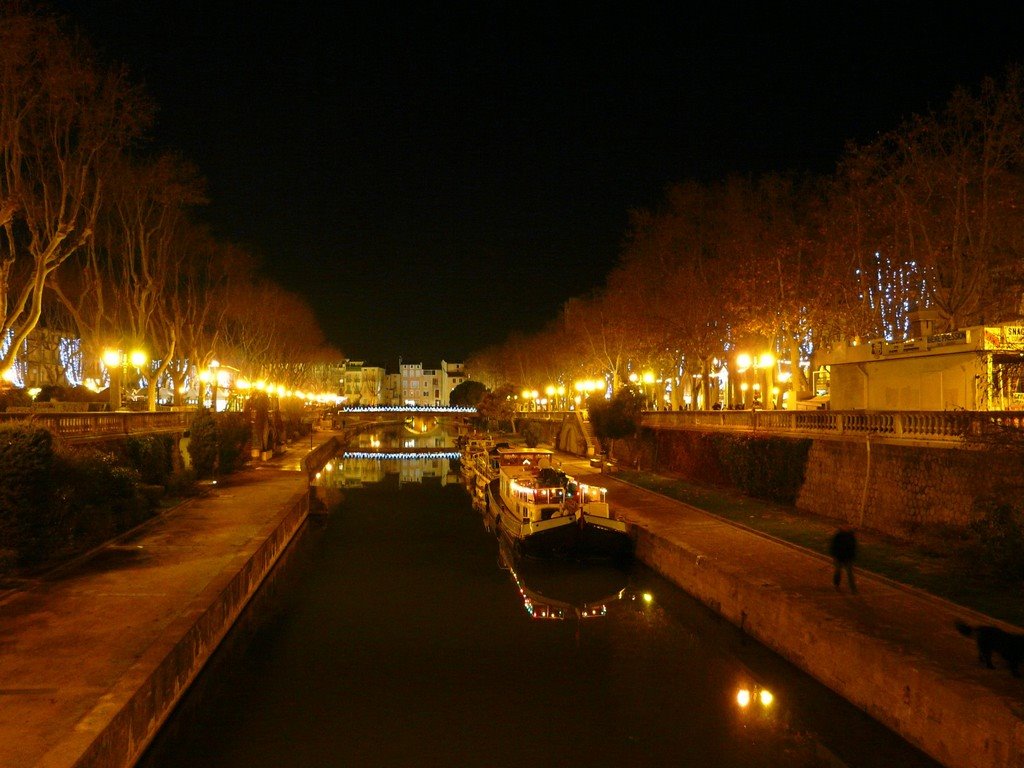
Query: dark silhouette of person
[[843, 549]]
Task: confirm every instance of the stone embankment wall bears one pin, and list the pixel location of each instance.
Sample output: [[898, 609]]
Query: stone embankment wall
[[148, 692], [958, 725], [894, 489]]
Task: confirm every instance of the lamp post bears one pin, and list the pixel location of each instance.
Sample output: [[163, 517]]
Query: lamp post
[[116, 362], [527, 395], [743, 363], [766, 362], [550, 392], [648, 379]]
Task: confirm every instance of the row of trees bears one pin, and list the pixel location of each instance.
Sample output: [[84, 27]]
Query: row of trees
[[926, 217], [100, 237]]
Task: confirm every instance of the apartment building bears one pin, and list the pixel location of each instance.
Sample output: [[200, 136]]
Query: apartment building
[[363, 384], [416, 385]]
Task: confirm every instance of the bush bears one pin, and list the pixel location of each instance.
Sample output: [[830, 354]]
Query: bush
[[233, 439], [531, 434], [26, 472], [764, 467], [202, 445], [97, 498], [997, 548], [182, 483], [14, 398], [150, 456]]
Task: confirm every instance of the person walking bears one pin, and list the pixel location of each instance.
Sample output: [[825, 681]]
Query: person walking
[[843, 549]]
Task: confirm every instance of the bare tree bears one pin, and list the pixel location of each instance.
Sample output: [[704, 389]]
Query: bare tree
[[952, 186], [61, 119]]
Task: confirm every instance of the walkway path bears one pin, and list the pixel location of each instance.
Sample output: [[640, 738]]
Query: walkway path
[[74, 646]]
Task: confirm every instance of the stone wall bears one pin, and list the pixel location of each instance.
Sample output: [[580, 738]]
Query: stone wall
[[893, 489], [945, 716]]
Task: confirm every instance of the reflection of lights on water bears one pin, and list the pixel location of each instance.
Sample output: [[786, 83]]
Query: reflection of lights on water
[[744, 697], [380, 455]]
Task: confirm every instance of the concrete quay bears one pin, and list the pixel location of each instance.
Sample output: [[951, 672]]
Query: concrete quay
[[889, 649], [93, 657]]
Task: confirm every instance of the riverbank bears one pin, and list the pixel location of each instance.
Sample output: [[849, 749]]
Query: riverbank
[[890, 649], [94, 657]]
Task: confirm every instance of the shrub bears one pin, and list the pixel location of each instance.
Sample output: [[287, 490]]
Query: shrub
[[182, 483], [764, 467], [26, 471], [997, 548], [531, 434], [150, 456], [97, 498], [233, 439], [202, 445], [14, 398]]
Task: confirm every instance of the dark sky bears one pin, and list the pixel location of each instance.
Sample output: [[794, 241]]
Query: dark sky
[[433, 176]]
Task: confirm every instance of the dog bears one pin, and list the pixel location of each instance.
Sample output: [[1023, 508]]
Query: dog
[[995, 640]]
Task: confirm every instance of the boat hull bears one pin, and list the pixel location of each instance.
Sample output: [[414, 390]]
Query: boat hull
[[603, 538]]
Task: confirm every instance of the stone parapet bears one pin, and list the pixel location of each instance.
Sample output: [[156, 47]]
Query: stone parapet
[[958, 722]]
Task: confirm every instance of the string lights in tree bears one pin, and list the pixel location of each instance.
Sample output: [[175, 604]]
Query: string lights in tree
[[892, 292]]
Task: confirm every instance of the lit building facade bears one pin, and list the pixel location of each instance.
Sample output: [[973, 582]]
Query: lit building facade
[[416, 385], [976, 369], [363, 384]]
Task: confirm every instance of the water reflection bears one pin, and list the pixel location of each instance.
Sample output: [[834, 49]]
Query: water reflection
[[373, 456], [558, 590]]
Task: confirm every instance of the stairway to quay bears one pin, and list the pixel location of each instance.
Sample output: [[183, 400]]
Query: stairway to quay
[[93, 657]]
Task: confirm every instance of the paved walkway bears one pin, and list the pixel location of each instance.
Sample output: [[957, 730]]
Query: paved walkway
[[69, 641]]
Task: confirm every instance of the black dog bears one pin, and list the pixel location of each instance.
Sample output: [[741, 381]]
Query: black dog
[[995, 640]]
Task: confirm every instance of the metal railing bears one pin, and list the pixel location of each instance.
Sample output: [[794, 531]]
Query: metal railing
[[941, 427], [85, 426]]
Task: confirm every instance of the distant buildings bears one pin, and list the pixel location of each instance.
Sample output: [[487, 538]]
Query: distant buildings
[[412, 385]]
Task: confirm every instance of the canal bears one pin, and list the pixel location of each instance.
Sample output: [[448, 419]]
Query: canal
[[396, 632]]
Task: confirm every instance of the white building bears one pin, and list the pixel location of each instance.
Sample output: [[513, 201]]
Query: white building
[[977, 369], [452, 374], [416, 385]]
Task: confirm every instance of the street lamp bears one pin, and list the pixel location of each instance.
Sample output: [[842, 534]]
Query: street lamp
[[527, 395], [550, 392], [117, 362]]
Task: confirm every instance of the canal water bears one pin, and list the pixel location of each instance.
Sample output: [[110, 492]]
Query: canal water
[[396, 632]]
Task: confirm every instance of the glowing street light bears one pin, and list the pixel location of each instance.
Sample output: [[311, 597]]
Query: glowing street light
[[117, 362]]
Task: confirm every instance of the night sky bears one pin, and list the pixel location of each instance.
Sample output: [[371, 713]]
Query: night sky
[[432, 177]]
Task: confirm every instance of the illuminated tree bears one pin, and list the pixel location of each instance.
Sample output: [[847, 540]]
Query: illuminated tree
[[950, 190], [673, 255], [61, 120]]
